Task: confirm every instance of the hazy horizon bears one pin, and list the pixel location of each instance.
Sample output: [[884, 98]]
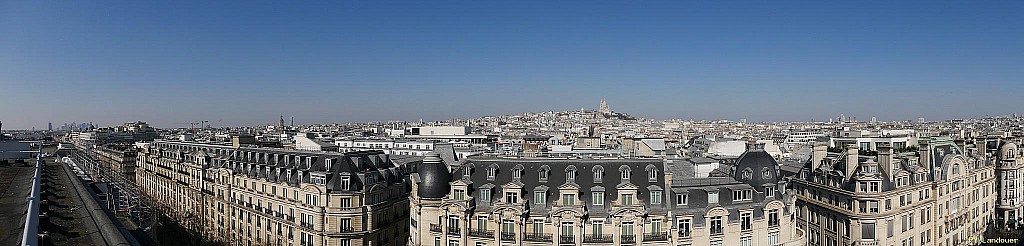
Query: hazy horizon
[[246, 63]]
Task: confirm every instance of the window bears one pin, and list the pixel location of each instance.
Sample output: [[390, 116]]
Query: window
[[598, 197], [773, 217], [655, 197], [745, 241], [769, 191], [741, 195], [510, 197], [773, 238], [568, 199], [567, 229], [459, 194], [453, 223], [624, 172], [627, 229], [867, 231], [712, 197], [543, 174], [517, 173], [684, 227], [627, 199], [652, 175], [889, 228], [538, 226], [874, 186], [873, 206], [485, 195], [716, 225], [508, 227], [598, 174], [481, 223], [597, 228], [681, 199], [491, 171], [538, 197], [766, 173], [745, 221]]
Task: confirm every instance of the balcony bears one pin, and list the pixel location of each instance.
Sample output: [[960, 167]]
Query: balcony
[[481, 233], [454, 231], [684, 234], [508, 237], [597, 238], [799, 240], [537, 237], [566, 239], [346, 229], [867, 243], [627, 239], [435, 228], [655, 237]]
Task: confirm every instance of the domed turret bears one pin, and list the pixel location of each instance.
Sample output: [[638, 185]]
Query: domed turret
[[434, 177], [756, 167]]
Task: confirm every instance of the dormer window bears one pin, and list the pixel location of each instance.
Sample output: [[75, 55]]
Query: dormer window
[[742, 195], [543, 175], [652, 173], [510, 197], [346, 182], [459, 194], [766, 173], [329, 162], [747, 174], [517, 173], [598, 174], [570, 173], [491, 171], [624, 173]]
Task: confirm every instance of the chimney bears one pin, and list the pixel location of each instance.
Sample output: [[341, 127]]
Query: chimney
[[925, 156], [820, 150], [852, 159], [885, 157], [981, 145], [753, 145]]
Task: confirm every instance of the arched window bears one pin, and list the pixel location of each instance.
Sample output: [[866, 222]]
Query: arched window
[[652, 173], [543, 173], [766, 173], [598, 174], [491, 172], [517, 172], [624, 173], [570, 172]]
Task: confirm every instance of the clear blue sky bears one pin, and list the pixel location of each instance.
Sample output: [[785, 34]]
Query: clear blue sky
[[246, 62]]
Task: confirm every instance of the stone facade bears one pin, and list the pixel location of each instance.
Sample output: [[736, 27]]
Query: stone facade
[[264, 196], [494, 201], [939, 195]]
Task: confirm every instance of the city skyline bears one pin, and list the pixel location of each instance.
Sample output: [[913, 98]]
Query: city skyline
[[243, 64]]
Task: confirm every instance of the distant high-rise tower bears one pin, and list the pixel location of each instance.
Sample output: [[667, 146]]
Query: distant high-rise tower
[[604, 107], [280, 122], [49, 126]]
